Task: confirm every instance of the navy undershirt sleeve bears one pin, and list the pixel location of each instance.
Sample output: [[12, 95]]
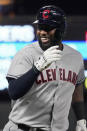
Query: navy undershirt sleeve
[[19, 87], [79, 109]]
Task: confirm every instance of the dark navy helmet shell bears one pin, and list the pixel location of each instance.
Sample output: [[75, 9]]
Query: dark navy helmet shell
[[53, 16]]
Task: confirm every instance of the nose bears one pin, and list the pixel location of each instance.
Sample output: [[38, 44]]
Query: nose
[[43, 32]]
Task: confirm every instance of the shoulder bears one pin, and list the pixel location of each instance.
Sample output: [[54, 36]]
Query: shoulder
[[71, 51], [29, 49]]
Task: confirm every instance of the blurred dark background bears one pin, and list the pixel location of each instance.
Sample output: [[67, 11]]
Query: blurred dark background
[[26, 7], [30, 7], [23, 12]]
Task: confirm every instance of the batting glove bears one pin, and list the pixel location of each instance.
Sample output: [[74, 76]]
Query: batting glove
[[81, 125], [50, 55]]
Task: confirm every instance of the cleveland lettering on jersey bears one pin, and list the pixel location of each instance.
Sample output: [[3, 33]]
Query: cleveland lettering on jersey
[[69, 76], [50, 76]]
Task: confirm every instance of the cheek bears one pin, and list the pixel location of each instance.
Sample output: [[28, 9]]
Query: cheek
[[52, 33], [52, 36], [38, 32]]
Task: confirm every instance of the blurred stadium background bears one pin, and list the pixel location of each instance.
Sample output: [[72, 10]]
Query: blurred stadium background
[[16, 31]]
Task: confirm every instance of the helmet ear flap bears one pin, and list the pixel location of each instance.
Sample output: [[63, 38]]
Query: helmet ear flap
[[58, 35]]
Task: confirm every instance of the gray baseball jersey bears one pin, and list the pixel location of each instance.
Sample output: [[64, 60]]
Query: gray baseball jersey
[[48, 102]]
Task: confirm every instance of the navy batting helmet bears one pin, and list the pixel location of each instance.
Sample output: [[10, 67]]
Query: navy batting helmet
[[53, 16]]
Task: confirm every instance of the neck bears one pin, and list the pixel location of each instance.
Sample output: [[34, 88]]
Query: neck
[[60, 46]]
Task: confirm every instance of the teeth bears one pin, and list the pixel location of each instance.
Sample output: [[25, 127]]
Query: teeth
[[44, 38]]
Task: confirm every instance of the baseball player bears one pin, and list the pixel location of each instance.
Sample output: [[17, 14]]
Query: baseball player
[[45, 78]]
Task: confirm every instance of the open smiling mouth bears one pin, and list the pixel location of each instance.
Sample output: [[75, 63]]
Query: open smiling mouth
[[44, 39]]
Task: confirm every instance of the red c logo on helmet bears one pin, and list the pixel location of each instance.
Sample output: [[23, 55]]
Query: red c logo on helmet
[[46, 14]]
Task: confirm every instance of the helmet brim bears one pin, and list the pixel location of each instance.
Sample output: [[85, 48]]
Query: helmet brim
[[45, 22], [36, 22]]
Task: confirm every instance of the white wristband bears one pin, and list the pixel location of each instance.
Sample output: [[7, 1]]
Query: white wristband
[[81, 125]]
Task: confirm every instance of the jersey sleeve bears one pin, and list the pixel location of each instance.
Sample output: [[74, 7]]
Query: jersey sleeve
[[81, 74], [21, 63]]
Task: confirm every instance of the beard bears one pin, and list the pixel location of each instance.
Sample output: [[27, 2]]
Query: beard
[[45, 46], [55, 40]]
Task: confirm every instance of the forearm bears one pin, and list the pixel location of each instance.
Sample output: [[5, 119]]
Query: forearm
[[78, 102], [19, 87], [79, 108]]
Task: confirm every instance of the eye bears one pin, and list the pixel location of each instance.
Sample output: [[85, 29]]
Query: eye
[[46, 28]]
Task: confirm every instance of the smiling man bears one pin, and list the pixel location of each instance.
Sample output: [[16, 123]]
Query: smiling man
[[50, 26], [45, 78]]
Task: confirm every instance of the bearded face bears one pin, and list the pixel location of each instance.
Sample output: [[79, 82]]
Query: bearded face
[[47, 36]]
